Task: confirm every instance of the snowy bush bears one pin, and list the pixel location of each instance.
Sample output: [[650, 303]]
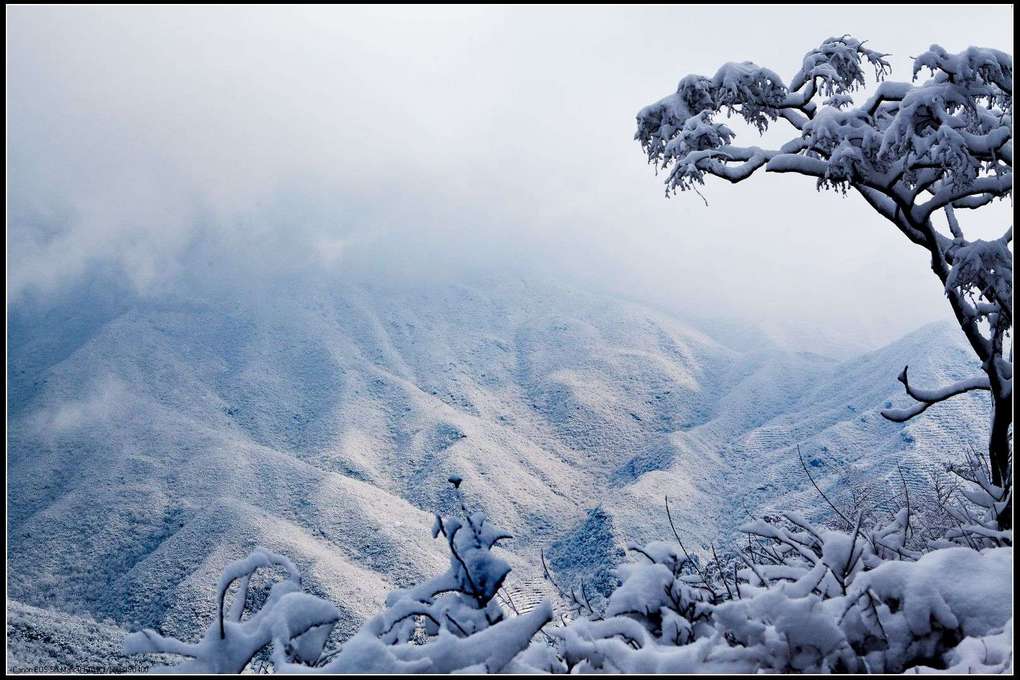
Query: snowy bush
[[794, 597], [806, 599], [448, 624]]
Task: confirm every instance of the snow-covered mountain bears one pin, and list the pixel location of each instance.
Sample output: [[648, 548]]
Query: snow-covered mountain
[[149, 444]]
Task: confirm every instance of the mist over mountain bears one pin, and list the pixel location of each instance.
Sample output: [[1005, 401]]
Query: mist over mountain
[[175, 147]]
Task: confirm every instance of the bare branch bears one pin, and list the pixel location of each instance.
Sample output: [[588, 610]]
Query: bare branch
[[926, 398]]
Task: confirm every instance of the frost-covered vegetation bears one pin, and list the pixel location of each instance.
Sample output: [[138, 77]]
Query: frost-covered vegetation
[[166, 488], [917, 153], [925, 586], [918, 589]]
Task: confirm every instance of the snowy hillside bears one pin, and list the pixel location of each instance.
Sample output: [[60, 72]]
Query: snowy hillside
[[152, 444]]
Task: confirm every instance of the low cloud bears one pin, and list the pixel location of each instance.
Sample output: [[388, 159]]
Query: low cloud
[[101, 402], [195, 147]]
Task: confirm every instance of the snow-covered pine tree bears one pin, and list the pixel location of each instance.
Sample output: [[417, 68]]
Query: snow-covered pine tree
[[918, 153]]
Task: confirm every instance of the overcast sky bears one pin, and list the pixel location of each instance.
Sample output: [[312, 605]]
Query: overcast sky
[[415, 142]]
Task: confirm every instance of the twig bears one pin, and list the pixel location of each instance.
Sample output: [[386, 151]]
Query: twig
[[820, 492], [681, 543]]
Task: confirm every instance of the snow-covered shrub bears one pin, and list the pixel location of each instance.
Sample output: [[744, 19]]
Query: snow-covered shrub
[[876, 595], [807, 599], [864, 600], [966, 508], [450, 623], [301, 621], [870, 596], [664, 600]]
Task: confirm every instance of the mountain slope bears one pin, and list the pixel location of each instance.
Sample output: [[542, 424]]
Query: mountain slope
[[166, 439]]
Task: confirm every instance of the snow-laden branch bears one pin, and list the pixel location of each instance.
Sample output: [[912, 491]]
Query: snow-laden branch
[[983, 188], [955, 129], [303, 620], [928, 397], [447, 624]]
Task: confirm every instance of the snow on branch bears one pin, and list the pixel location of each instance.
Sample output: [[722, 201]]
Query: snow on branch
[[980, 68], [926, 397], [449, 623], [303, 621], [836, 65], [984, 269], [957, 124]]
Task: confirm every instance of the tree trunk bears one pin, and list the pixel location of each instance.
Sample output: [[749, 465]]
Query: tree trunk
[[999, 446], [986, 350]]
